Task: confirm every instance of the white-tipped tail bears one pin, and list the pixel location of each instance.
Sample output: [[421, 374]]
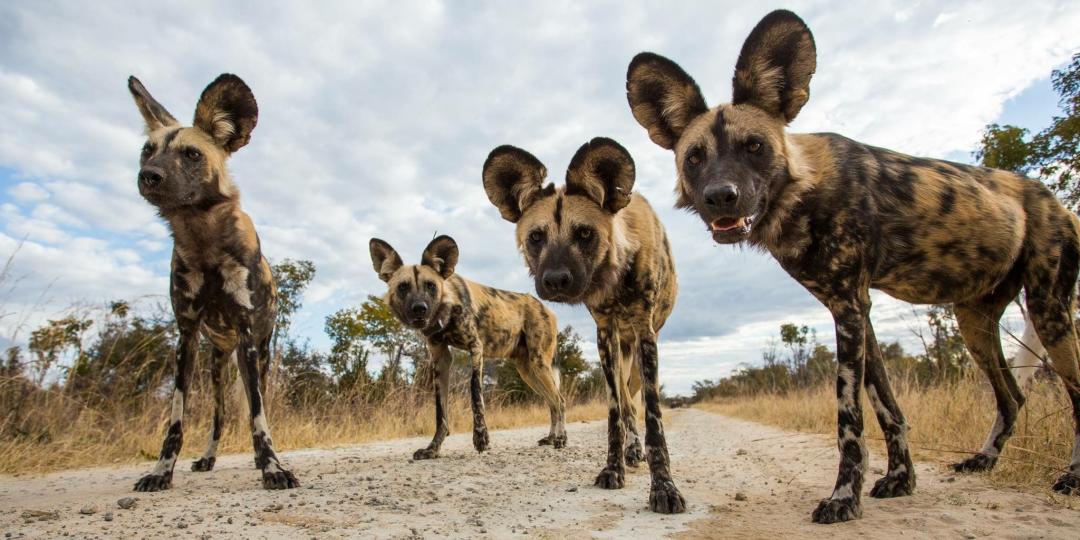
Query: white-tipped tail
[[1030, 355]]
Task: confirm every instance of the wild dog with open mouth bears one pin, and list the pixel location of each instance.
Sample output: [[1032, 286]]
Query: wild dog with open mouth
[[595, 242], [451, 311], [220, 282], [842, 217]]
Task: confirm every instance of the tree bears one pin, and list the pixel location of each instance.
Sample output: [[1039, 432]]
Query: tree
[[945, 350], [53, 338], [372, 325], [1053, 153], [291, 277]]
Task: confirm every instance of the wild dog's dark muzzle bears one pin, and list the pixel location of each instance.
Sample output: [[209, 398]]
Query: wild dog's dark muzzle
[[151, 177]]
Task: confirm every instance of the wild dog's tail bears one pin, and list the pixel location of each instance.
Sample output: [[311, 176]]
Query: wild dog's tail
[[1030, 355]]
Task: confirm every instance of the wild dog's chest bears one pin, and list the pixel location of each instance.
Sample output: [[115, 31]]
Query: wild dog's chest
[[218, 293], [456, 327]]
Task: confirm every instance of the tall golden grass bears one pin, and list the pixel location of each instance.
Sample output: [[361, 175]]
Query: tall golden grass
[[70, 434], [949, 422]]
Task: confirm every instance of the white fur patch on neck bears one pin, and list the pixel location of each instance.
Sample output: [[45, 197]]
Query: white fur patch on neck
[[235, 285]]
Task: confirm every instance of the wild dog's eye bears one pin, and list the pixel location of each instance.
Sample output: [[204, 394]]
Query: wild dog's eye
[[694, 158], [430, 286], [584, 233], [402, 288], [753, 147], [536, 237], [193, 154], [147, 149]]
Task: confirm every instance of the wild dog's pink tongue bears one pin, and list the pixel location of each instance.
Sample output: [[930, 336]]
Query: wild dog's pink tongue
[[728, 224]]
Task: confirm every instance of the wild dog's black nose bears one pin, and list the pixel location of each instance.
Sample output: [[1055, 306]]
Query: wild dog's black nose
[[419, 309], [557, 280], [718, 196], [151, 177]]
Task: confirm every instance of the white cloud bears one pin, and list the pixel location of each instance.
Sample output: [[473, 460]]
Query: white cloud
[[376, 118]]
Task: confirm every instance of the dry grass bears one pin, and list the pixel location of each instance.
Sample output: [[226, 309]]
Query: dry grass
[[79, 436], [948, 423]]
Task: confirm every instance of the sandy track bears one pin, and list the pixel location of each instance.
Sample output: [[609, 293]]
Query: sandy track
[[522, 490]]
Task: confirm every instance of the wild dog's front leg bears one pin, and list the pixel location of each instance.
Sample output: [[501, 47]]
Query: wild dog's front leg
[[274, 475], [900, 479], [664, 497], [845, 503], [161, 477], [219, 376], [607, 341], [440, 362], [476, 392], [631, 387]]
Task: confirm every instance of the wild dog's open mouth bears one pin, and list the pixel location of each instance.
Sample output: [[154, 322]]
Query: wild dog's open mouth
[[725, 230]]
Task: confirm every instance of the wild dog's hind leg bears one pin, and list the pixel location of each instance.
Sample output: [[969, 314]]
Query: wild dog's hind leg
[[440, 362], [631, 389], [540, 376], [1050, 284], [978, 322], [161, 477], [900, 479], [219, 371], [274, 475], [607, 342], [476, 392], [664, 497], [850, 317]]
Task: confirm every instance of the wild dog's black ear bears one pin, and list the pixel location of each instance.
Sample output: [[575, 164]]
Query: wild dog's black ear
[[385, 259], [442, 255], [663, 98], [513, 180], [227, 112], [603, 171], [155, 116], [774, 68]]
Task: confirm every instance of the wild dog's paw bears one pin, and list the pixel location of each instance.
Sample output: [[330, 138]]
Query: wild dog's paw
[[1068, 484], [976, 463], [664, 498], [837, 510], [426, 453], [203, 464], [610, 478], [480, 440], [559, 442], [279, 478], [154, 482], [546, 441], [893, 485], [634, 454]]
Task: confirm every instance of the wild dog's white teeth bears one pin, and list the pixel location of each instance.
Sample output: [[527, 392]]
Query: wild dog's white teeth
[[741, 222]]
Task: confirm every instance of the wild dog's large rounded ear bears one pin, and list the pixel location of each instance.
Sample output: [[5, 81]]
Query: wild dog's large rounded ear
[[442, 255], [384, 258], [155, 116], [513, 180], [663, 98], [227, 112], [603, 171], [774, 68]]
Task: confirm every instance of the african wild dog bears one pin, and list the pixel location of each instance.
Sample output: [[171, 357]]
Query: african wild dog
[[451, 311], [842, 217], [220, 283], [595, 242]]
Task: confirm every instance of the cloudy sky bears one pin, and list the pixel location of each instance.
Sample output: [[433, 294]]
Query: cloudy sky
[[375, 119]]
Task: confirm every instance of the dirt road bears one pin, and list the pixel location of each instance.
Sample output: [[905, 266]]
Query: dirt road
[[741, 480]]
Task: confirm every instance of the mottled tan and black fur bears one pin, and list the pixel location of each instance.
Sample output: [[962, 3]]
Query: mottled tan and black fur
[[594, 241], [220, 282], [842, 217], [451, 311]]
